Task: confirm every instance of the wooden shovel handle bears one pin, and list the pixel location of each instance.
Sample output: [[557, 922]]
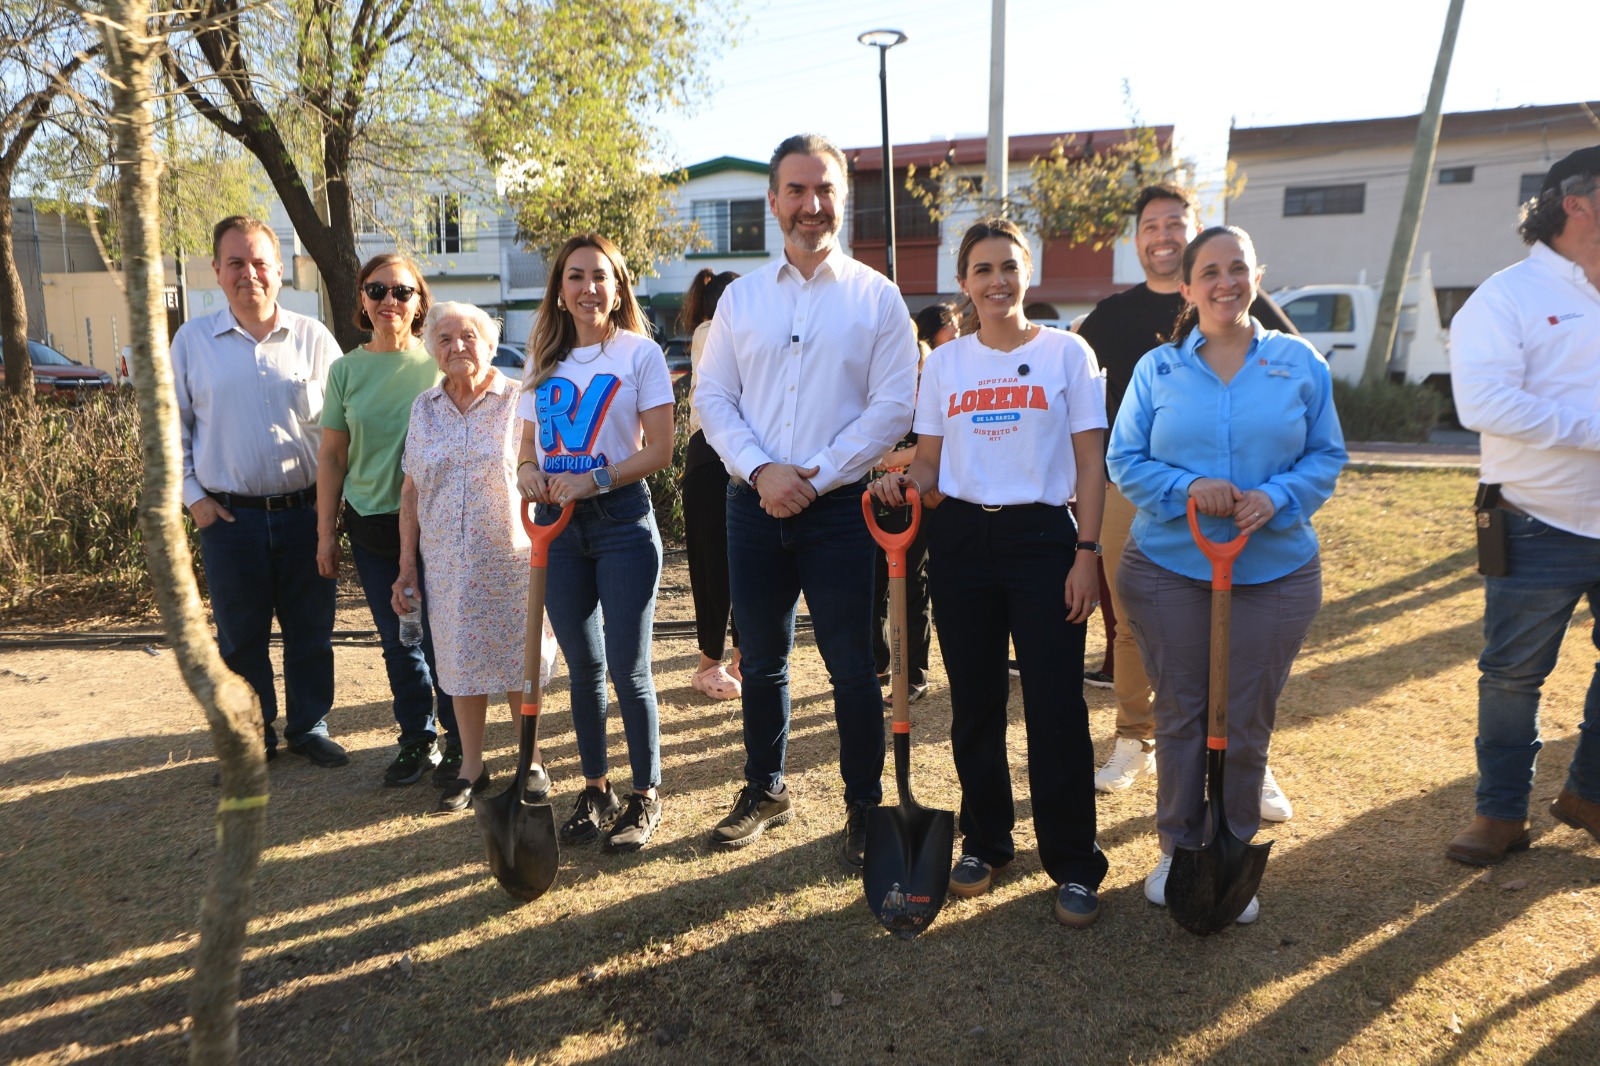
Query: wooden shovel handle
[[894, 547], [1222, 556], [538, 563]]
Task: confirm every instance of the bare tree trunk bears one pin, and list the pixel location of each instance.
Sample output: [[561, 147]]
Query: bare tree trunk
[[230, 704], [13, 308]]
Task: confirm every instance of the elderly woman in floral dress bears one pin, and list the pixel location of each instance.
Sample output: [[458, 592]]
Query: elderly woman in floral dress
[[456, 508]]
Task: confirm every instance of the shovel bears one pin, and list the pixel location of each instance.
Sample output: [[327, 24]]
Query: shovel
[[906, 870], [520, 837], [1208, 889]]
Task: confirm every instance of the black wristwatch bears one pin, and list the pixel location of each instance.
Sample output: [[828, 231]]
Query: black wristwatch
[[602, 478], [1088, 546]]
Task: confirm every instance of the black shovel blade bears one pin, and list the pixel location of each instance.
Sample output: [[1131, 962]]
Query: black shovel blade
[[906, 873], [520, 839], [1209, 888]]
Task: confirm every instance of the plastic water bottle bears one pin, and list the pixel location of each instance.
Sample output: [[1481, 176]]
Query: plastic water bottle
[[411, 621]]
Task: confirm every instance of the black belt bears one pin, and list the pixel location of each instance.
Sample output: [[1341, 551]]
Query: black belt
[[306, 497], [992, 508]]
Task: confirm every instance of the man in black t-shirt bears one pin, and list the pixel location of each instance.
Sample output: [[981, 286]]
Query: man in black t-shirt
[[1121, 329]]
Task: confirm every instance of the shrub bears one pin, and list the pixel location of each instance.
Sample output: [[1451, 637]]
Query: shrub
[[666, 486], [1387, 410]]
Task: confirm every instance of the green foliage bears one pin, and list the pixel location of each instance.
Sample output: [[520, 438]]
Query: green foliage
[[1387, 410], [69, 494], [666, 486]]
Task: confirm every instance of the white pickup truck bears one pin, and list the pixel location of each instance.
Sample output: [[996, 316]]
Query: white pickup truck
[[1338, 319]]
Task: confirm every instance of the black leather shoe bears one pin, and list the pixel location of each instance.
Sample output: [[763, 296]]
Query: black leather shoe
[[853, 849], [537, 789], [319, 749], [458, 794]]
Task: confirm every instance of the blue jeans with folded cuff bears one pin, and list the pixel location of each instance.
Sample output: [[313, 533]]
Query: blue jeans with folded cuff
[[412, 673], [1525, 619], [601, 601], [826, 552], [264, 563]]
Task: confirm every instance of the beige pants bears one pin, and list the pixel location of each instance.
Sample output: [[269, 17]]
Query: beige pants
[[1135, 720]]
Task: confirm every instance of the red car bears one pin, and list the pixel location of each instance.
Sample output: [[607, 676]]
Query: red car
[[58, 378]]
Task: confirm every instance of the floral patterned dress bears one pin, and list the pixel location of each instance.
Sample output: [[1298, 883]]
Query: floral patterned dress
[[474, 551]]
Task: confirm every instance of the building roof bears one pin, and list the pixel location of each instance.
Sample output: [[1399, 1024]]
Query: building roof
[[723, 163], [1402, 130], [973, 151]]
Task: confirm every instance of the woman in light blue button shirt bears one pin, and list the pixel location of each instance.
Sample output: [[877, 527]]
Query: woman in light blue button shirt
[[1240, 418]]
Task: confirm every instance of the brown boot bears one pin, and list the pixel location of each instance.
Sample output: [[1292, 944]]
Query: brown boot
[[1574, 810], [1487, 840]]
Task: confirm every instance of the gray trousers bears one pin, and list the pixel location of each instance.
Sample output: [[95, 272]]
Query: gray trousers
[[1171, 619]]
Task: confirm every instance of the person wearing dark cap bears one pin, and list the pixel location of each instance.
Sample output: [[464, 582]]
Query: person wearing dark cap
[[1525, 369]]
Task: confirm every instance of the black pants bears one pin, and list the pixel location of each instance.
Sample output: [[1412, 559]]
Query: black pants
[[999, 576], [705, 537], [919, 612]]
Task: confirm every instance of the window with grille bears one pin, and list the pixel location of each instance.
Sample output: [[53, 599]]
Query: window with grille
[[1324, 200], [1529, 187], [911, 217], [452, 225], [1455, 175], [732, 225]]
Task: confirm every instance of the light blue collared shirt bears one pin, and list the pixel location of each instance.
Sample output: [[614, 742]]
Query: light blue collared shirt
[[1273, 428]]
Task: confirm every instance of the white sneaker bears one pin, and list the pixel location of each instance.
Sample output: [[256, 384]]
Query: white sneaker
[[1129, 761], [1155, 882], [1252, 911], [1275, 806]]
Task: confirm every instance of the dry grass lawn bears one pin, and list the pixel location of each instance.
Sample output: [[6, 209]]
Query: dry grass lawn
[[379, 937]]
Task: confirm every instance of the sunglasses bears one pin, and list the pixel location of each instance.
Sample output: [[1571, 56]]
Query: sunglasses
[[376, 291]]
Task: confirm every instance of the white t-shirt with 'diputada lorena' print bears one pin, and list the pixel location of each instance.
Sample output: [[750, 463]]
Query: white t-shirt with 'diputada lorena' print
[[1007, 418]]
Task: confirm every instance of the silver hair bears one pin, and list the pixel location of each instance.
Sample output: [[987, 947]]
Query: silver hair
[[1545, 216], [488, 328]]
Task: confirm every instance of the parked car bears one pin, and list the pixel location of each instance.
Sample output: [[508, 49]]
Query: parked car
[[677, 352], [510, 357], [56, 377]]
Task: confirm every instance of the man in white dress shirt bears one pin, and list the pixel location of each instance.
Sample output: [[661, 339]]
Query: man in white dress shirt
[[809, 376], [1525, 369], [249, 382]]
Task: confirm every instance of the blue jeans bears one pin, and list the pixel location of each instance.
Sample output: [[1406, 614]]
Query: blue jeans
[[826, 552], [1524, 621], [607, 564], [265, 563], [411, 670]]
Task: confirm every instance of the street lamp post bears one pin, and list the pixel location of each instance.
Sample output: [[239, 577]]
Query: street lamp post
[[883, 40]]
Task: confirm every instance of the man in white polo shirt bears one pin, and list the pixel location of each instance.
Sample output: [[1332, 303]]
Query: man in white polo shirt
[[249, 382], [1525, 367], [808, 377]]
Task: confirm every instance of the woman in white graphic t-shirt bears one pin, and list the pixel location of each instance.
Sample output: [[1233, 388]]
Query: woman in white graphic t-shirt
[[597, 420], [1009, 424]]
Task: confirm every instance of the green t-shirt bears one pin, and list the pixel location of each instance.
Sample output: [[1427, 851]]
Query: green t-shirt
[[369, 396]]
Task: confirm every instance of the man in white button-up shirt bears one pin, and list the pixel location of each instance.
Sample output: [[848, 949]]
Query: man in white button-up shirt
[[1525, 367], [249, 383], [808, 377]]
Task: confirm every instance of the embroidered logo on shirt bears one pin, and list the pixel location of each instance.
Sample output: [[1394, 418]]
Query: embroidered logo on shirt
[[1556, 320], [570, 419], [1163, 368]]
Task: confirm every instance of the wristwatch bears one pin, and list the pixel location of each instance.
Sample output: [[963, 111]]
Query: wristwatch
[[602, 478], [1088, 546]]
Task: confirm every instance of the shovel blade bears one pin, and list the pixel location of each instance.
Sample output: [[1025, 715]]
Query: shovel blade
[[906, 872], [520, 841], [1209, 888]]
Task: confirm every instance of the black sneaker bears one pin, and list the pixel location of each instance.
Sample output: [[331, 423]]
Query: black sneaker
[[755, 809], [1098, 679], [853, 848], [414, 760], [970, 876], [449, 767], [1077, 906], [638, 820], [593, 815], [458, 794]]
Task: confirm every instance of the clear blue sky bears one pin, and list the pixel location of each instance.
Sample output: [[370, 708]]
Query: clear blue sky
[[1193, 65]]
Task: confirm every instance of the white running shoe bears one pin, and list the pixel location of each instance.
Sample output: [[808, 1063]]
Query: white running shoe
[[1275, 806], [1155, 882], [1130, 760], [1252, 911]]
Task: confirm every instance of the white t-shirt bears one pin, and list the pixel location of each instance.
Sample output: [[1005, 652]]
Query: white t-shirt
[[588, 410], [1007, 418]]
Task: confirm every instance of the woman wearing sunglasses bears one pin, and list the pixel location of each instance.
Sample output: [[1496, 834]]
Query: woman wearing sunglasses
[[364, 418]]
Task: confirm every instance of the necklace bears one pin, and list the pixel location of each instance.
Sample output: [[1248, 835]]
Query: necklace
[[1027, 335], [599, 348]]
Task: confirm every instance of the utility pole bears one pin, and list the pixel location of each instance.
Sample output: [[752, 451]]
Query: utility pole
[[1405, 234], [997, 150]]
